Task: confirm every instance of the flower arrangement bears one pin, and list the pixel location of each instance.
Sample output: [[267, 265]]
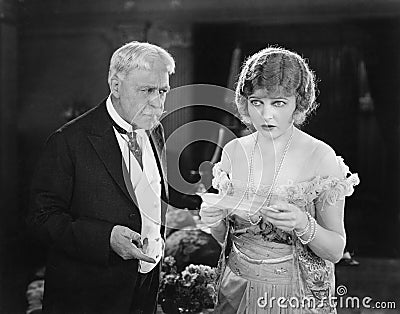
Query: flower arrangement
[[189, 291]]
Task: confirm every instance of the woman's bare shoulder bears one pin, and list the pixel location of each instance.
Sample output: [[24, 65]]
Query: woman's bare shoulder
[[313, 145], [241, 142], [321, 155]]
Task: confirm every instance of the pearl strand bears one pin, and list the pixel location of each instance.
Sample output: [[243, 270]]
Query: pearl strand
[[305, 230], [313, 231], [250, 178]]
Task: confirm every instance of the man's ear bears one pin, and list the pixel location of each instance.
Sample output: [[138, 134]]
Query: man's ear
[[115, 85]]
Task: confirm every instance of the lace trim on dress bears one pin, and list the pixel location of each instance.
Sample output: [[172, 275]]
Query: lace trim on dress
[[327, 189], [221, 180]]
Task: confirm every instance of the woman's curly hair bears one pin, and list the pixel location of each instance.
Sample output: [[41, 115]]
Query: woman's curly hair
[[277, 69]]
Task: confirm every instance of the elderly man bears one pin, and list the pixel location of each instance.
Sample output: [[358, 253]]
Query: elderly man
[[98, 197]]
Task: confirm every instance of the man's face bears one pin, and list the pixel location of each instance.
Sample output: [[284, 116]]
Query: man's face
[[140, 96]]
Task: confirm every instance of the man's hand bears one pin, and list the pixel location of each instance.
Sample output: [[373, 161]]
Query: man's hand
[[128, 244]]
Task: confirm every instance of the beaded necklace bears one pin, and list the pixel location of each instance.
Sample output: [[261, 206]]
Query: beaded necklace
[[250, 179]]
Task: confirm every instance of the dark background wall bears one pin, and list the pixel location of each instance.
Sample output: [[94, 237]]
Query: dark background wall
[[54, 58]]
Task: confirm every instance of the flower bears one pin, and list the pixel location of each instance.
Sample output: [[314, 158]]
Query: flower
[[169, 261], [332, 195], [354, 179], [188, 277], [189, 291], [170, 279], [339, 189]]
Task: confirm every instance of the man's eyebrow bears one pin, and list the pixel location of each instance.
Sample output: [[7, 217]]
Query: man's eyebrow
[[147, 86], [154, 86]]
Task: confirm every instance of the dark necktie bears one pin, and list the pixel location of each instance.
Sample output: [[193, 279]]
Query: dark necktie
[[132, 142], [134, 147]]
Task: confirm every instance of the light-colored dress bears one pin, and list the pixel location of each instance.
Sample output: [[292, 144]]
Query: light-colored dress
[[259, 266]]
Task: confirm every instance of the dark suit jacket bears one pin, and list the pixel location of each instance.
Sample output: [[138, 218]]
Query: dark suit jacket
[[78, 194]]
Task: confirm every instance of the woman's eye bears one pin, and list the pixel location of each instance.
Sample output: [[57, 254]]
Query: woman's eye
[[256, 103], [279, 103]]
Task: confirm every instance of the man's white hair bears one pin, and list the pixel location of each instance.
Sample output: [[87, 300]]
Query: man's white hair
[[138, 55]]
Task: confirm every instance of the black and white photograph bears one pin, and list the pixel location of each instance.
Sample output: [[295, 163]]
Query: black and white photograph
[[195, 157]]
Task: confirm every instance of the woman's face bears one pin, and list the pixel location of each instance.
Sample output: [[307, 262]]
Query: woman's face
[[271, 113]]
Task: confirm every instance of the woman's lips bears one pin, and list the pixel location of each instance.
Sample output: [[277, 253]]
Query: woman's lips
[[268, 127]]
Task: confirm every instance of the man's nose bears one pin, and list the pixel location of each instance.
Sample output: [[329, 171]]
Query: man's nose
[[156, 101]]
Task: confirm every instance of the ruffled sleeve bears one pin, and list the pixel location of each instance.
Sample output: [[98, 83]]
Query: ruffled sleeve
[[325, 189], [221, 180], [334, 189]]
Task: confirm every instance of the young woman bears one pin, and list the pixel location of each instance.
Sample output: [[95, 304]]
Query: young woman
[[278, 256]]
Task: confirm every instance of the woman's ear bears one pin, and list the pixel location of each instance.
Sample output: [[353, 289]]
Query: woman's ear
[[298, 117]]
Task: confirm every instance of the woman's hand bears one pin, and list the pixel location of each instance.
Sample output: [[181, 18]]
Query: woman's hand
[[211, 216], [285, 216]]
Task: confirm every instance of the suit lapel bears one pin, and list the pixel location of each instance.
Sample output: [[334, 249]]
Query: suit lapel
[[104, 142], [108, 150]]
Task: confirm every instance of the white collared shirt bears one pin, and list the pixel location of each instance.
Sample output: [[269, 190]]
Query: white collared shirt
[[146, 185]]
